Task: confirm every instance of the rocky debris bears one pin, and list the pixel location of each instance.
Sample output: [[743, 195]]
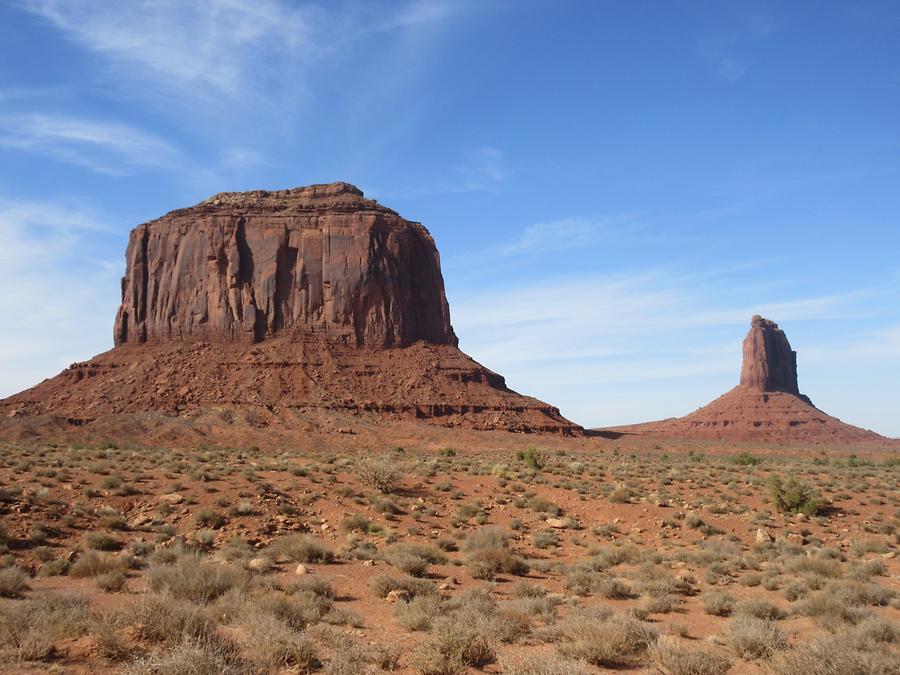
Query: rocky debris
[[766, 406], [265, 310]]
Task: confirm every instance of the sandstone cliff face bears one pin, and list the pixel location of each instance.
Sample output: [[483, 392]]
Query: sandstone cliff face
[[769, 362], [318, 260]]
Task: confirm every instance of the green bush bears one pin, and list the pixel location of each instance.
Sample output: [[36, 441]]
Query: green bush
[[792, 496]]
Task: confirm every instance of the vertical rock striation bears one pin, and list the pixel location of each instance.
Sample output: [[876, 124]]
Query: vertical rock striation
[[769, 362], [319, 260]]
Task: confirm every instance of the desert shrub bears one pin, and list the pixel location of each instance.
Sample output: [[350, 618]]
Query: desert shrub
[[381, 473], [384, 584], [210, 518], [196, 581], [834, 655], [760, 608], [419, 613], [603, 638], [297, 610], [453, 646], [542, 664], [314, 585], [356, 523], [753, 638], [543, 505], [546, 539], [12, 582], [301, 548], [583, 580], [534, 459], [718, 603], [829, 611], [28, 628], [111, 582], [485, 538], [860, 592], [101, 541], [165, 620], [189, 658], [621, 494], [813, 565], [413, 558], [792, 496], [489, 562], [746, 459], [93, 564], [674, 659]]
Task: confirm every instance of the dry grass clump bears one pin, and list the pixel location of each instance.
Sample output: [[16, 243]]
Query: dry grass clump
[[718, 603], [542, 664], [272, 645], [753, 638], [673, 658], [93, 564], [413, 558], [419, 613], [194, 580], [187, 658], [301, 548], [164, 620], [603, 638], [584, 581], [867, 649], [385, 583], [381, 473], [12, 582], [490, 555], [29, 628], [760, 608], [453, 646]]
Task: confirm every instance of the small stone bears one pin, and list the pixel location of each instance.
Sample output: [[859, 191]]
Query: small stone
[[173, 498], [763, 537], [140, 521], [259, 564], [398, 595], [557, 523], [301, 569]]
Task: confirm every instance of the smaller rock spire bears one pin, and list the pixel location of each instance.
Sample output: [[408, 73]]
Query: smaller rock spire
[[769, 362]]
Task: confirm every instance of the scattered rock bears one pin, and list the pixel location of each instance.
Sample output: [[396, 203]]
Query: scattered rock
[[763, 536], [398, 595], [259, 564]]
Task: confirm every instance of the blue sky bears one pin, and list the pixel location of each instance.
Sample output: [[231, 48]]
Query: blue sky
[[615, 188]]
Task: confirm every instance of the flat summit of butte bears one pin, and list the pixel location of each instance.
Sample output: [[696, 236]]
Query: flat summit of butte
[[270, 308], [765, 406]]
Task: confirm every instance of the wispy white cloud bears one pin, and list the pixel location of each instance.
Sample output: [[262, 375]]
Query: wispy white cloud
[[565, 234], [220, 55], [574, 340], [59, 288], [106, 147], [218, 47]]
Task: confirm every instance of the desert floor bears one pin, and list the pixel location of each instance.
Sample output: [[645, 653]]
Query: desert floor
[[427, 551]]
